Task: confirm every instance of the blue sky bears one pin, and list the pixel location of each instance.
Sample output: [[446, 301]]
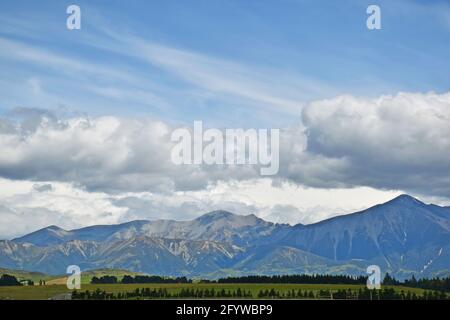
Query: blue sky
[[242, 62], [86, 115]]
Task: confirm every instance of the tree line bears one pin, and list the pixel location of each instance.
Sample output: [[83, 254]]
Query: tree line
[[138, 279], [438, 284], [297, 279], [341, 294], [435, 284], [351, 294], [8, 280], [147, 293]]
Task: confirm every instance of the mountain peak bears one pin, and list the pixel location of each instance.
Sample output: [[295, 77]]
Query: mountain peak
[[54, 228], [221, 218], [48, 235], [217, 214], [405, 199]]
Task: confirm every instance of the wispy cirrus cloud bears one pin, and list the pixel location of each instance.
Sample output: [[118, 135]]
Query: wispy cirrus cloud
[[193, 79], [267, 88], [137, 83]]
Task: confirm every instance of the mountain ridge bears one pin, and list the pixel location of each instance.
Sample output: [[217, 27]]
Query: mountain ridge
[[220, 213], [404, 236]]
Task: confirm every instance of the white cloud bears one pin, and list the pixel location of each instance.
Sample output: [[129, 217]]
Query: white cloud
[[391, 142], [106, 153], [399, 142], [349, 153], [25, 208]]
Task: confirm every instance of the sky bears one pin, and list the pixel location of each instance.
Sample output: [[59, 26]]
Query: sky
[[86, 115]]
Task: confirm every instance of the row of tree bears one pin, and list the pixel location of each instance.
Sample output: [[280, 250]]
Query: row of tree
[[297, 279], [348, 294], [439, 284], [104, 280], [435, 284], [8, 280], [138, 279], [147, 293]]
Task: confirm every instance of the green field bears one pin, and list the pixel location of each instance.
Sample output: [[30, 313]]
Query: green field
[[48, 291]]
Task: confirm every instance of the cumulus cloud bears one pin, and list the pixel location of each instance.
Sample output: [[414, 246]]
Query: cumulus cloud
[[24, 209], [399, 142], [391, 142], [106, 153]]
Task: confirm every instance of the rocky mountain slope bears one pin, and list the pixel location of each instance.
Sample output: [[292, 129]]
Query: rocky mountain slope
[[403, 236]]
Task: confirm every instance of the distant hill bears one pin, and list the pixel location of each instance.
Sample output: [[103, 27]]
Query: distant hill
[[87, 275], [27, 275], [403, 236]]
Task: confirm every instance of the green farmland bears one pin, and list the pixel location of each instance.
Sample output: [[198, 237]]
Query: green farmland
[[49, 291]]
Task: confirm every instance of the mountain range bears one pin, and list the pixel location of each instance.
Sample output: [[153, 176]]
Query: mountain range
[[403, 236]]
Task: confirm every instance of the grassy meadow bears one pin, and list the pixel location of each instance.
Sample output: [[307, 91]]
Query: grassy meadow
[[48, 291]]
